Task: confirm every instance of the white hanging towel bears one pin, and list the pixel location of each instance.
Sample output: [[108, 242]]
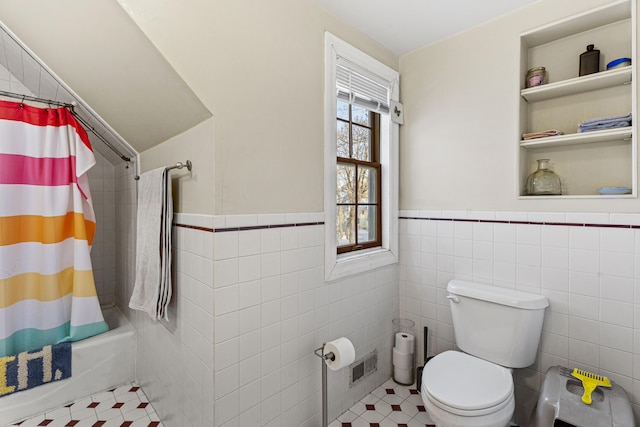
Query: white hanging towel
[[152, 288]]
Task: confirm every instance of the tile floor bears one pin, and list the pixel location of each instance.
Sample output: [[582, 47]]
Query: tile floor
[[125, 406], [390, 405]]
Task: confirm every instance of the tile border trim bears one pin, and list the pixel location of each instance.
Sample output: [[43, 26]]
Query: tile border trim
[[519, 222], [485, 221], [193, 227], [252, 227], [267, 226]]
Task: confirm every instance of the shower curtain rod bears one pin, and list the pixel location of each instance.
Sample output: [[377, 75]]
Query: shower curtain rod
[[70, 107]]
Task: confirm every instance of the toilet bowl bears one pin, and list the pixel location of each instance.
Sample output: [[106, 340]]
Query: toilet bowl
[[496, 330], [460, 390]]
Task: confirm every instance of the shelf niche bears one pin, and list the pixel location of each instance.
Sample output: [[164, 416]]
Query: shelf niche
[[590, 160]]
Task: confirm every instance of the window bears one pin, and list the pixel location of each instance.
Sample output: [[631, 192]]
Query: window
[[358, 222], [361, 161]]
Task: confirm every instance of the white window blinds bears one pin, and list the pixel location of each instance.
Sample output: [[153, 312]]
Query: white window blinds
[[360, 87]]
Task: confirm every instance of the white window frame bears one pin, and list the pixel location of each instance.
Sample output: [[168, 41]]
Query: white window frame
[[337, 266]]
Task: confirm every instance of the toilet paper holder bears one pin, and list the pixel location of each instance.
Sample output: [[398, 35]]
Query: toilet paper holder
[[320, 353], [324, 357]]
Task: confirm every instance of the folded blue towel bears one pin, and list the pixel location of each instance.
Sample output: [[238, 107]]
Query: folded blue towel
[[606, 120], [612, 125]]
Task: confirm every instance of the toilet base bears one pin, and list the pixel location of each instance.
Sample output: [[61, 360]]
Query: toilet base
[[442, 418]]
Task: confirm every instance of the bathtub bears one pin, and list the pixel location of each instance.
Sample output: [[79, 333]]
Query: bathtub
[[98, 363]]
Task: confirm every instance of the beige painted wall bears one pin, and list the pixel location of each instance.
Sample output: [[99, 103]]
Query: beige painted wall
[[459, 145], [258, 66], [193, 192]]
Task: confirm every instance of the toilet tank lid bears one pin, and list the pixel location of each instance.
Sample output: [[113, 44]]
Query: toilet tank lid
[[503, 296]]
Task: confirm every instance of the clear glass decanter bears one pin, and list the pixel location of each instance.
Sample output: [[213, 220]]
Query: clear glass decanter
[[544, 181]]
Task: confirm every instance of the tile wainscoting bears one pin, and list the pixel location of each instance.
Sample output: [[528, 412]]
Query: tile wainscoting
[[250, 305], [175, 359], [273, 308], [588, 265]]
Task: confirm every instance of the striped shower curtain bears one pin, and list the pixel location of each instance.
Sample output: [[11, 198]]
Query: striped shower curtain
[[47, 224]]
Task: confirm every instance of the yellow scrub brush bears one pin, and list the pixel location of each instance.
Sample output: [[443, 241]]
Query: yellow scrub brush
[[589, 383]]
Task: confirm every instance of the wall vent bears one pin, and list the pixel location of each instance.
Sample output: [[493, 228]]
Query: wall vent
[[363, 367]]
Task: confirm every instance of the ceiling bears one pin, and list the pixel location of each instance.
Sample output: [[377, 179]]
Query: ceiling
[[135, 90], [406, 25]]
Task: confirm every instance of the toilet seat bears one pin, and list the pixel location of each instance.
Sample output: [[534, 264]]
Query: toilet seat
[[466, 385]]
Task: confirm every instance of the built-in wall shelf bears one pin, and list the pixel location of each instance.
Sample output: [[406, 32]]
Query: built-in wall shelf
[[601, 80], [580, 197], [579, 23], [620, 134], [590, 160]]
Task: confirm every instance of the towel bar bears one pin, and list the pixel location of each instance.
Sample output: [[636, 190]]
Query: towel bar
[[178, 165]]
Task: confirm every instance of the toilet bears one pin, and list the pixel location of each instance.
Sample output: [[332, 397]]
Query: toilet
[[496, 330]]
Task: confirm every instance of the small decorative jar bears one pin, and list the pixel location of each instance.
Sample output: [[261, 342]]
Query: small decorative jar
[[536, 76], [544, 182]]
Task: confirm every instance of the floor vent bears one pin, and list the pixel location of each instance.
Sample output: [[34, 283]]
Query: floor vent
[[363, 367]]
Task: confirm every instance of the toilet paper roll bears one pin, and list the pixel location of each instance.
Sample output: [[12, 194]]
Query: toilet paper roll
[[343, 351], [402, 360], [403, 376], [405, 342]]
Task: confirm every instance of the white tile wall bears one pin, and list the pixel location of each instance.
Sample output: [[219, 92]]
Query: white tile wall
[[254, 301], [272, 309], [591, 276], [174, 361], [103, 258], [126, 203], [9, 83]]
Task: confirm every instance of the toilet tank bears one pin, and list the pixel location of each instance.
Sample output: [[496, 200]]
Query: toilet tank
[[500, 325]]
